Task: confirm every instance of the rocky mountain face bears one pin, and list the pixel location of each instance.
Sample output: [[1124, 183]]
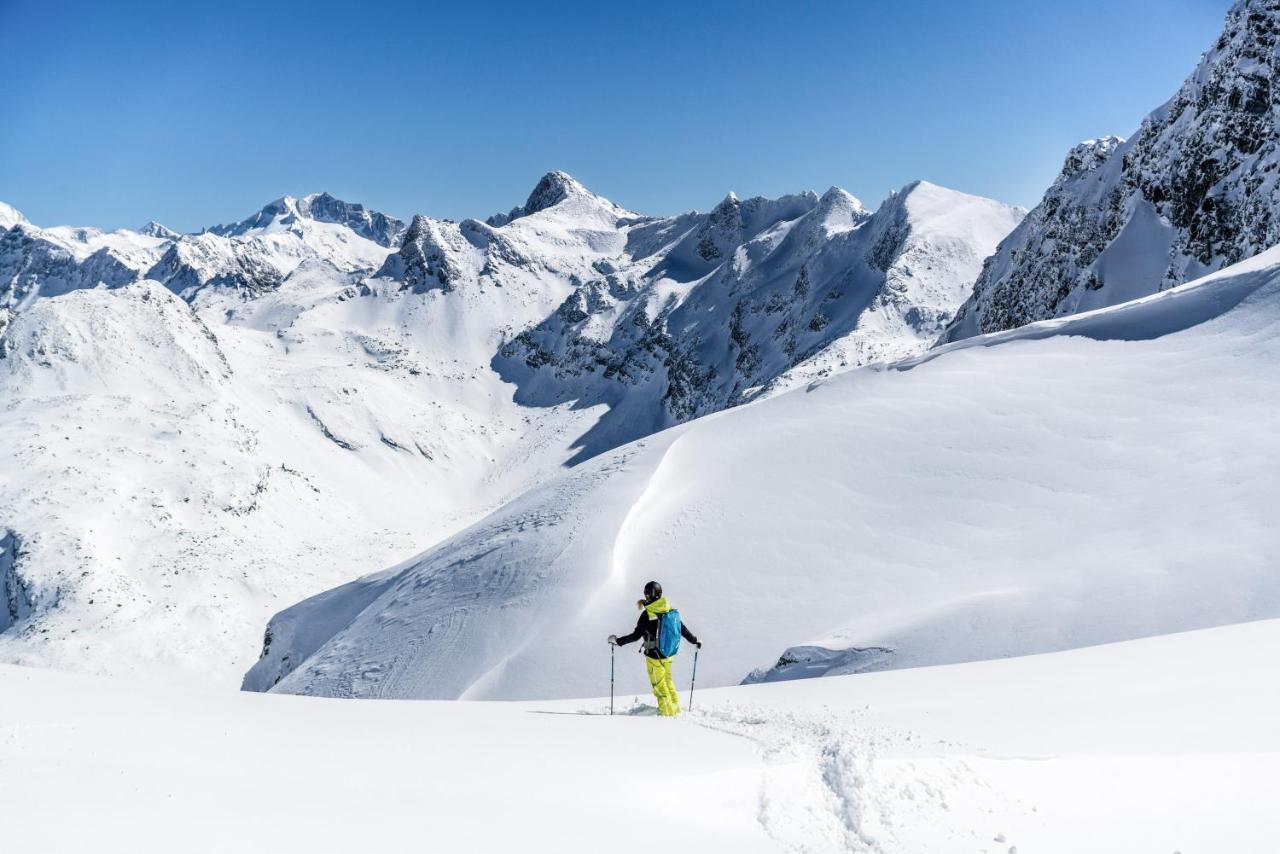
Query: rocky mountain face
[[202, 428], [1193, 190]]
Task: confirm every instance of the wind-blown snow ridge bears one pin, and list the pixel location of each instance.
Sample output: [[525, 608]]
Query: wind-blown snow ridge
[[1035, 490]]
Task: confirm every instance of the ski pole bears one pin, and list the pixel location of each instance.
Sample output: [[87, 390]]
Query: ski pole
[[612, 649], [694, 680]]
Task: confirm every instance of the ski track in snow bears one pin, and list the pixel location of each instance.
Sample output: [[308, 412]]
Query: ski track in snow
[[814, 794]]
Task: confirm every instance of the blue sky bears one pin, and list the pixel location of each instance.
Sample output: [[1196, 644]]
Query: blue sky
[[196, 113]]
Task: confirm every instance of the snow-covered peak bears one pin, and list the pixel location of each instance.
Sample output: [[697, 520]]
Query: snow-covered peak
[[10, 216], [562, 193], [273, 212], [553, 188], [285, 211], [155, 229], [378, 227], [943, 211], [428, 257], [839, 210]]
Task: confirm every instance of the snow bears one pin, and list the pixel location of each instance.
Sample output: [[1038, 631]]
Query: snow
[[199, 430], [1134, 260], [1036, 490], [10, 216], [172, 487], [1163, 744]]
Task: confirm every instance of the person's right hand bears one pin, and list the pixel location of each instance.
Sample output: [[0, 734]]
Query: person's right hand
[[613, 639]]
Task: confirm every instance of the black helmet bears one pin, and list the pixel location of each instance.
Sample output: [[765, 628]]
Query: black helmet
[[652, 591]]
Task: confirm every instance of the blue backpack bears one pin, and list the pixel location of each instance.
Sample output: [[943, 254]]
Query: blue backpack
[[668, 634]]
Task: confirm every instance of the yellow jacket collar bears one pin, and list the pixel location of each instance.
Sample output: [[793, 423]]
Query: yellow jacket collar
[[659, 606]]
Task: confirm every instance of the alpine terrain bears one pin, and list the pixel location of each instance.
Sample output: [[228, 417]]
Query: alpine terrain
[[952, 525], [200, 429]]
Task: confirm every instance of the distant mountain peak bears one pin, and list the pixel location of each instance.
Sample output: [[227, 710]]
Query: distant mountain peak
[[155, 229], [553, 190], [10, 216], [839, 199], [320, 207]]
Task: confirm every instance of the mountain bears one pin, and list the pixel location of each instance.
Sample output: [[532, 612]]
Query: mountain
[[1192, 191], [269, 408], [1016, 493], [258, 254], [9, 217], [560, 190], [318, 207], [155, 229], [36, 262], [707, 312]]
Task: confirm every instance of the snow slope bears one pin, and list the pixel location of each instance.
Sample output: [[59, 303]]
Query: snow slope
[[1081, 481], [1164, 744], [198, 430], [1192, 191]]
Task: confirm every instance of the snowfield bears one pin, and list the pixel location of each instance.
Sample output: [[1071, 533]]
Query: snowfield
[[1164, 744], [1080, 481]]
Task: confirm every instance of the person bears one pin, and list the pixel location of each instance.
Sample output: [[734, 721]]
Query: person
[[664, 687]]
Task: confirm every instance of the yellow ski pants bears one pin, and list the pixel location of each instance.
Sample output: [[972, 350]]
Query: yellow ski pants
[[664, 687]]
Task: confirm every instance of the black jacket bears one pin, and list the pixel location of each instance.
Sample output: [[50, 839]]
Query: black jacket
[[648, 629]]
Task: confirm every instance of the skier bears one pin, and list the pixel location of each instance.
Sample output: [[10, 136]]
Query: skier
[[652, 607]]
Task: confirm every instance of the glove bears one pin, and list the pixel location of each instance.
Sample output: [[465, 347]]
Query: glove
[[613, 639], [698, 644]]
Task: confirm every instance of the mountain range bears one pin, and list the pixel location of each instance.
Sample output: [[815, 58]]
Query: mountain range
[[203, 428]]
